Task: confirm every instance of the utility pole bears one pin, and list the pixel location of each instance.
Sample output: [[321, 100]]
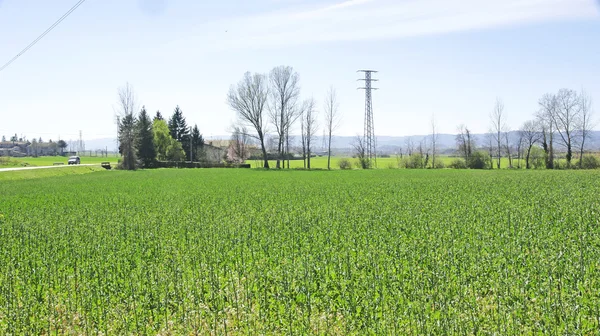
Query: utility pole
[[369, 135]]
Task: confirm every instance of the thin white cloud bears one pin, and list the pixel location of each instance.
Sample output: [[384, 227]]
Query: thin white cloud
[[386, 19]]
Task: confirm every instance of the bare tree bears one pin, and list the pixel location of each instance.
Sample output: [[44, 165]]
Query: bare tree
[[283, 109], [566, 118], [126, 107], [239, 144], [360, 150], [520, 142], [586, 124], [248, 99], [531, 134], [423, 153], [464, 142], [434, 140], [548, 105], [310, 127], [498, 120], [490, 147], [507, 147], [332, 119], [410, 146]]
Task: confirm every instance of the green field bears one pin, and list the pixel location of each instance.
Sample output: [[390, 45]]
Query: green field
[[254, 252], [44, 173], [51, 160]]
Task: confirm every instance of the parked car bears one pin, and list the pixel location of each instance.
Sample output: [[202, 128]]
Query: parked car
[[73, 160]]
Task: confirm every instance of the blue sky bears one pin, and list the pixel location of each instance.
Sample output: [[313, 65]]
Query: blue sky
[[445, 58]]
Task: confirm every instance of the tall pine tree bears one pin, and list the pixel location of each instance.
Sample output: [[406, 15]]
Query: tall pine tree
[[177, 125], [197, 144], [144, 140], [158, 116]]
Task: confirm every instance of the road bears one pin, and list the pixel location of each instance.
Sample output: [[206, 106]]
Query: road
[[46, 167]]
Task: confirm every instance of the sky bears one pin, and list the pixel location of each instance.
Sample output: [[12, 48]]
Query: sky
[[437, 59]]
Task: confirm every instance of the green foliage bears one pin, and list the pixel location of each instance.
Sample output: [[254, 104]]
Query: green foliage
[[175, 151], [144, 140], [537, 157], [344, 164], [458, 164], [162, 139], [252, 252], [127, 142], [479, 160], [414, 161], [590, 162]]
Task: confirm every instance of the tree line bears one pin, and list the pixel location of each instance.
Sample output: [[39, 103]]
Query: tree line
[[272, 102], [562, 124], [144, 140]]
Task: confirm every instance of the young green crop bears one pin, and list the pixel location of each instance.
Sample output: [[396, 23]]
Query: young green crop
[[297, 252]]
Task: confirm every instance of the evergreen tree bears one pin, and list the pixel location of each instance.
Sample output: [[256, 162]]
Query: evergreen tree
[[144, 140], [158, 116], [127, 141], [3, 138], [177, 125], [197, 144]]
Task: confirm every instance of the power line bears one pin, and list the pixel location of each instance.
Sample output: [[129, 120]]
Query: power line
[[43, 34]]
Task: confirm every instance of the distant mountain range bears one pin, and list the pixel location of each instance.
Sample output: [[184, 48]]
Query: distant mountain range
[[385, 144]]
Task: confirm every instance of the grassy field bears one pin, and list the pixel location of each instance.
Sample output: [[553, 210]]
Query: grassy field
[[296, 252], [44, 173], [50, 160]]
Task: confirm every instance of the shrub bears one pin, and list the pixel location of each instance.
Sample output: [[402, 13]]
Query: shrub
[[479, 160], [537, 158], [439, 165], [363, 163], [590, 162], [458, 164], [344, 164]]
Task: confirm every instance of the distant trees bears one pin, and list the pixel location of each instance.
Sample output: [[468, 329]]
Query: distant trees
[[126, 136], [238, 148], [309, 127], [180, 132], [531, 134], [566, 117], [162, 138], [284, 93], [144, 139], [249, 99], [3, 138], [464, 142], [498, 121], [197, 144], [62, 145], [548, 107], [360, 151], [585, 124], [332, 119], [434, 140]]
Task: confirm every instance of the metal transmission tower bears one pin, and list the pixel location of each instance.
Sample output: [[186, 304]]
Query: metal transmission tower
[[369, 137]]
